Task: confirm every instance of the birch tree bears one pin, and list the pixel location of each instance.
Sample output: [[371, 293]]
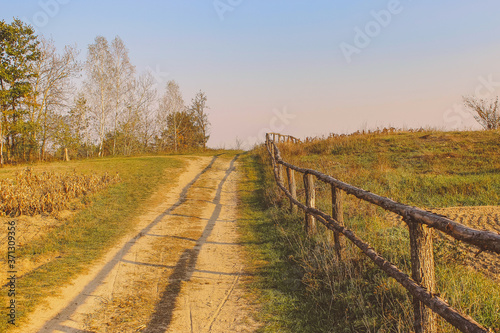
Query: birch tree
[[98, 86], [170, 114], [137, 123], [72, 128], [122, 81], [200, 117], [146, 105], [53, 89]]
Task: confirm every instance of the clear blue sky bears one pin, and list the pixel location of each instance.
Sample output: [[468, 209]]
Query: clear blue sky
[[280, 64]]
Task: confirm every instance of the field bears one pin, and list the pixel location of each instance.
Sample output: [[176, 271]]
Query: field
[[452, 173], [157, 247], [54, 248], [224, 252]]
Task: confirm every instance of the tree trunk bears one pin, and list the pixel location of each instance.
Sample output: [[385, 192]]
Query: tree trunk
[[1, 143]]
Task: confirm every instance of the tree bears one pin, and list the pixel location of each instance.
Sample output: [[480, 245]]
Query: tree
[[170, 115], [144, 102], [197, 109], [72, 129], [18, 53], [53, 88], [137, 124], [121, 81], [486, 112], [186, 131], [98, 86]]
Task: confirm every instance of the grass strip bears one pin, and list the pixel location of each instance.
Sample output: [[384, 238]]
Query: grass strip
[[285, 304]]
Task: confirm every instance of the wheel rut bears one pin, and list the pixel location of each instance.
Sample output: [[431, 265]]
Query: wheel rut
[[180, 271]]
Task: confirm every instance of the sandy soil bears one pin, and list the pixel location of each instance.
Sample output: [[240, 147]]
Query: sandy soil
[[481, 218], [180, 270], [30, 228]]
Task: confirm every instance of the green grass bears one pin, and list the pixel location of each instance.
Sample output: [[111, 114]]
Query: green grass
[[426, 169], [287, 305], [87, 236]]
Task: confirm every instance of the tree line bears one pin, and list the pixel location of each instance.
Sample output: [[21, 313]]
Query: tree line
[[51, 102]]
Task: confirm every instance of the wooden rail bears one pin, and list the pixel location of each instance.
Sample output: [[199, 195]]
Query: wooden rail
[[422, 283], [276, 137]]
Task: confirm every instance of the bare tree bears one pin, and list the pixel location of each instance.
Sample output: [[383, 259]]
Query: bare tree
[[170, 113], [145, 102], [72, 128], [198, 106], [53, 89], [121, 80], [138, 124], [98, 86], [486, 112], [238, 143]]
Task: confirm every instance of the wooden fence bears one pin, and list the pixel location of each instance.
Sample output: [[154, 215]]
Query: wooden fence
[[421, 285]]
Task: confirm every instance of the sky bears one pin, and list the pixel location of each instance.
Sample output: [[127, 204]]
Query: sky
[[304, 68]]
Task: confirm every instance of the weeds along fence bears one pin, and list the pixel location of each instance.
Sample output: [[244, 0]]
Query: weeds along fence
[[421, 286]]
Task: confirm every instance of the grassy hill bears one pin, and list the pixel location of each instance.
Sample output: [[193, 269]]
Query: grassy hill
[[442, 171], [430, 169]]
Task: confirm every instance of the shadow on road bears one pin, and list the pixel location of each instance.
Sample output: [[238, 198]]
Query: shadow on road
[[185, 267], [56, 323]]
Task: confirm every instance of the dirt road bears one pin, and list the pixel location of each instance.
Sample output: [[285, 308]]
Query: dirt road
[[181, 270]]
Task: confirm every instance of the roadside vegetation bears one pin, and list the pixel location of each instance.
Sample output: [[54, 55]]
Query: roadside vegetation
[[304, 288], [60, 251]]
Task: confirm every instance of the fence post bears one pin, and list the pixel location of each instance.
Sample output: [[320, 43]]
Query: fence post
[[422, 268], [66, 155], [310, 202], [280, 174], [338, 215], [292, 187]]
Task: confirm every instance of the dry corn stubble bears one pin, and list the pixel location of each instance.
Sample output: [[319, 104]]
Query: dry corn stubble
[[48, 192]]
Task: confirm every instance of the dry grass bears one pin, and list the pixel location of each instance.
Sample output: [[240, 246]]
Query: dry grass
[[429, 169], [32, 194]]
